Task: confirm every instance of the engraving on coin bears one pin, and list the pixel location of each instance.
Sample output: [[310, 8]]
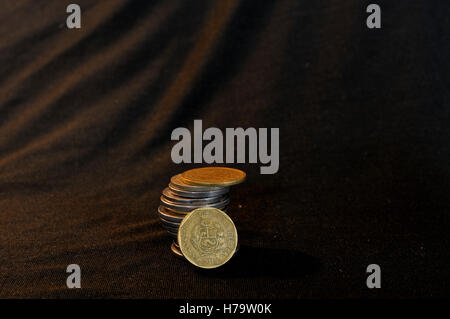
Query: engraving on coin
[[214, 176], [207, 237]]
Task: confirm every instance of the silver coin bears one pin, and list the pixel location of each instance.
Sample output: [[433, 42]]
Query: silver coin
[[189, 207], [167, 193], [172, 234], [196, 194], [172, 229], [179, 182], [169, 223], [169, 215]]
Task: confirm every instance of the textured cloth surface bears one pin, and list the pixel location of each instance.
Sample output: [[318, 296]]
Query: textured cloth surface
[[85, 123]]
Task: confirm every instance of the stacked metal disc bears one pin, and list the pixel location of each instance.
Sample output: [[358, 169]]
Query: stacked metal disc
[[181, 197]]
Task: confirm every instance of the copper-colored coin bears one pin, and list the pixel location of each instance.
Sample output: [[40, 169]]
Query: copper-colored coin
[[214, 176], [180, 182], [207, 237], [176, 250], [166, 214], [174, 211]]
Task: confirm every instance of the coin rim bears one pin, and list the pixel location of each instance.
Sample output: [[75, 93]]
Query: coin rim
[[210, 184], [171, 196], [169, 223], [166, 216], [176, 251], [165, 202], [192, 187], [198, 194], [181, 245]]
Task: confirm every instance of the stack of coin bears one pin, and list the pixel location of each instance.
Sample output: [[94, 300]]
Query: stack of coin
[[207, 237], [196, 188]]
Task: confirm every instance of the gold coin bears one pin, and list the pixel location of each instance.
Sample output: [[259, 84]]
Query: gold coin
[[214, 176], [207, 237]]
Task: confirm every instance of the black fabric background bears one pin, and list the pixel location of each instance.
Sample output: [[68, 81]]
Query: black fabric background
[[85, 123]]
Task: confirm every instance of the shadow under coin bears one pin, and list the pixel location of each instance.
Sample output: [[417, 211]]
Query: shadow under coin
[[265, 262]]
